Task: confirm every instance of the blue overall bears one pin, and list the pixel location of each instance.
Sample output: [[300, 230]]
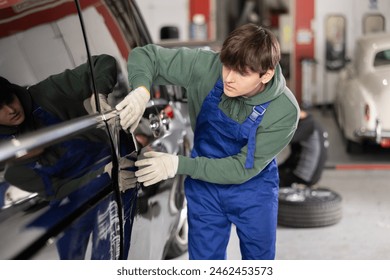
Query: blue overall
[[212, 208]]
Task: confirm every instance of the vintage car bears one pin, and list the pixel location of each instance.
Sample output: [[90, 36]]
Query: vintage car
[[363, 94], [61, 194]]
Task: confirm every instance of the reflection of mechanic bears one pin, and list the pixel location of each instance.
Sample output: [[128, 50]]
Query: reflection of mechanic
[[308, 153], [63, 169], [232, 170], [60, 95], [58, 98]]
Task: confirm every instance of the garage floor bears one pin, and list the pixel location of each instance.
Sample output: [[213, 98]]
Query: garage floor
[[363, 233]]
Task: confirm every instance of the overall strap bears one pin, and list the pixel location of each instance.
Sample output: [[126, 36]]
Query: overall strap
[[255, 117], [218, 89]]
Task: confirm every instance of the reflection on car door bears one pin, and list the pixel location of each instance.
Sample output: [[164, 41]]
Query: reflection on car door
[[69, 196], [90, 218]]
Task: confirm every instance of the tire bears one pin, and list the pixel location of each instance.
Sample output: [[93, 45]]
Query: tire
[[304, 207], [179, 243]]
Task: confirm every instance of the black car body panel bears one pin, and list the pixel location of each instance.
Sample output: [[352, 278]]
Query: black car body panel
[[77, 211]]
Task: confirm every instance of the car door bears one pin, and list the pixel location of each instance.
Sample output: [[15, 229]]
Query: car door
[[76, 210], [116, 27], [59, 188]]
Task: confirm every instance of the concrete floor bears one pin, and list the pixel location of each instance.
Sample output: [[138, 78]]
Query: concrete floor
[[362, 234], [364, 230]]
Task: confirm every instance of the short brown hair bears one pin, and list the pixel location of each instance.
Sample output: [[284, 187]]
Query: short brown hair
[[250, 47], [7, 92]]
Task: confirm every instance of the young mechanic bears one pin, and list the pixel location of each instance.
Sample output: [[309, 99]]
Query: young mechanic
[[242, 115]]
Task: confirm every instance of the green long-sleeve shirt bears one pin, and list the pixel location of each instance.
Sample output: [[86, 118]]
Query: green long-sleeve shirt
[[63, 94], [197, 71]]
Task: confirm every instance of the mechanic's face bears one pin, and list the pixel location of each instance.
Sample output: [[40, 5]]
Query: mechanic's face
[[244, 84], [12, 113]]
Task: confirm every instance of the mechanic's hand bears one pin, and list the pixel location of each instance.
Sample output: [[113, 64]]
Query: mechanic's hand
[[132, 107], [157, 167], [127, 179], [91, 105]]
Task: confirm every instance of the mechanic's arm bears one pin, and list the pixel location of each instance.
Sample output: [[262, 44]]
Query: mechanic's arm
[[148, 65], [77, 83], [153, 64], [231, 170], [71, 87], [105, 72], [158, 166]]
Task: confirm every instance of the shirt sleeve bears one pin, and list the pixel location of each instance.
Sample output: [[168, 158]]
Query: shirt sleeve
[[63, 94], [153, 64], [105, 72]]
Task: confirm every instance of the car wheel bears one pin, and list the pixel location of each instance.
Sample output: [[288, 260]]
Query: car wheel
[[179, 243], [304, 207]]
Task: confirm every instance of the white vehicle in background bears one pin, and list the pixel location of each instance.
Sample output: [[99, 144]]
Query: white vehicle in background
[[362, 96]]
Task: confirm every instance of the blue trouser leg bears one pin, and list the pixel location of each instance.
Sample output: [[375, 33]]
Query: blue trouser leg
[[212, 209], [209, 228], [255, 217], [257, 232]]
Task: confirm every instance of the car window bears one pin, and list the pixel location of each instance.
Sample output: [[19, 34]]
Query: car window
[[39, 54], [57, 152], [67, 188], [382, 58]]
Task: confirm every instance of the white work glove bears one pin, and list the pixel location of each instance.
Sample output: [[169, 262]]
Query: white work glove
[[90, 104], [127, 179], [132, 108], [158, 167]]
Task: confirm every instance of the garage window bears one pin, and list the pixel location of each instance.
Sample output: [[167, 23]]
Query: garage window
[[373, 23]]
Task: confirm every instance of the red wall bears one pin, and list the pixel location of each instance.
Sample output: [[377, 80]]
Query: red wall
[[304, 14]]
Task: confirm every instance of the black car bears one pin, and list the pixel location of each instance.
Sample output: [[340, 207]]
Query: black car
[[68, 201]]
